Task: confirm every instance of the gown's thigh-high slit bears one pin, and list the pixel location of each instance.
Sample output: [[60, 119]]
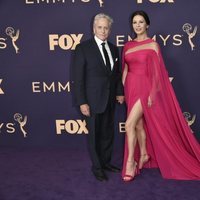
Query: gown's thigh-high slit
[[134, 116]]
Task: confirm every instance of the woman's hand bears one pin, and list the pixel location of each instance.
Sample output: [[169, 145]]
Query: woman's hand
[[149, 101]]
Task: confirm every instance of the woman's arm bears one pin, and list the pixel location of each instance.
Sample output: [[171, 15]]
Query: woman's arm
[[125, 71]]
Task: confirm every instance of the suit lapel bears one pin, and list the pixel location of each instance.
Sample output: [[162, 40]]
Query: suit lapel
[[113, 54]]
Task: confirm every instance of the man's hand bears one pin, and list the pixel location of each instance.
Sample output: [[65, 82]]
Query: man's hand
[[120, 99], [85, 109]]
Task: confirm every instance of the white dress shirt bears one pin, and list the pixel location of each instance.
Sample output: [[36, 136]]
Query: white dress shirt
[[99, 43]]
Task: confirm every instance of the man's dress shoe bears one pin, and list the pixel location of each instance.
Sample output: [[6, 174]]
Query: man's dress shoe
[[111, 168], [100, 175]]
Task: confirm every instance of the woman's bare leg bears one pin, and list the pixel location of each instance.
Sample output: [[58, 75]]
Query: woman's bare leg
[[141, 136], [130, 126]]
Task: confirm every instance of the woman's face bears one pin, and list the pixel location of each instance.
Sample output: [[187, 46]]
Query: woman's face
[[139, 25]]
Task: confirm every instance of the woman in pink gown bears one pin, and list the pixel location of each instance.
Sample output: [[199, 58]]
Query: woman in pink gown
[[154, 117]]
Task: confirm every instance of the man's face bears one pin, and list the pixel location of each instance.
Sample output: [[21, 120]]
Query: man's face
[[101, 28]]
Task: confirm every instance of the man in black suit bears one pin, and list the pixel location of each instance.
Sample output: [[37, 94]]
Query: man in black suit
[[97, 86]]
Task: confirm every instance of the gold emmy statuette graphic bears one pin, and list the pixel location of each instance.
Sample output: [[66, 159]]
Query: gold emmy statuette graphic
[[190, 120], [18, 117], [188, 29], [14, 37], [101, 3], [171, 79], [1, 91]]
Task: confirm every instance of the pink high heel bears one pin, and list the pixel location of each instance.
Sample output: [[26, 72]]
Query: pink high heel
[[130, 177], [144, 159]]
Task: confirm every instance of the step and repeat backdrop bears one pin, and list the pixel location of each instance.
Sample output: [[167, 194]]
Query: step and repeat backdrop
[[37, 41]]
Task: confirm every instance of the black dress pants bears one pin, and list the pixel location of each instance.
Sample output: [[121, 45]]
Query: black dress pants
[[101, 136]]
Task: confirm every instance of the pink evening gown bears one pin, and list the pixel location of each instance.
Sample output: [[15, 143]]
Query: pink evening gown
[[170, 142]]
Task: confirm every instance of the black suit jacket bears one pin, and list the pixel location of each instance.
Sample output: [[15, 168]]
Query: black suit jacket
[[94, 83]]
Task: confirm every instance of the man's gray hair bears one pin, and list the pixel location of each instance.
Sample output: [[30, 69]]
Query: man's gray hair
[[102, 15]]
